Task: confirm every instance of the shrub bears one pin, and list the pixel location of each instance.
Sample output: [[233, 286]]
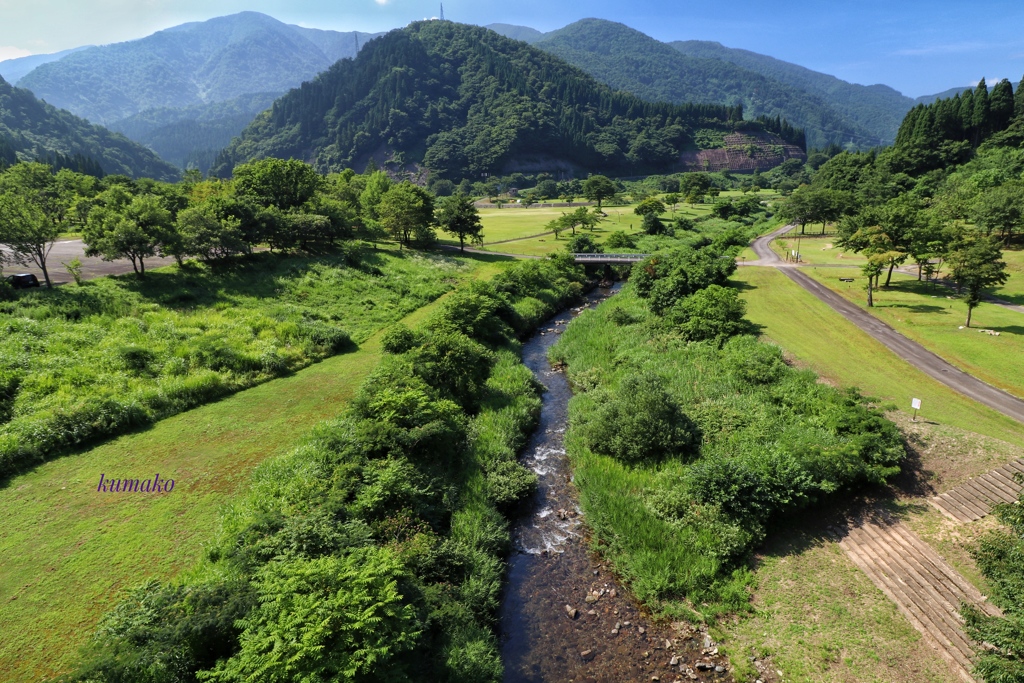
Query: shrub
[[640, 422], [332, 618], [753, 362], [508, 483], [620, 240], [398, 339], [714, 313]]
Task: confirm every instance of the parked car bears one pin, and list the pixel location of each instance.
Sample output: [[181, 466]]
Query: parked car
[[22, 280]]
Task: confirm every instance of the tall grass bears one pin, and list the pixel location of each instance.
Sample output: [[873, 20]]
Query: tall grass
[[84, 363]]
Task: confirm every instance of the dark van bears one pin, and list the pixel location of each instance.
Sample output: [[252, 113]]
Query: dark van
[[23, 280]]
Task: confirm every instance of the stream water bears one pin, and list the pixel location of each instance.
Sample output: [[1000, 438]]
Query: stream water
[[564, 616]]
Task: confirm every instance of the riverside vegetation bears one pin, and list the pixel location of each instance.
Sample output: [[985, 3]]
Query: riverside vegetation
[[690, 438], [376, 547], [94, 360]]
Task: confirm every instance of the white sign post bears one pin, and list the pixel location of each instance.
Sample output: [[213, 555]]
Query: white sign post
[[915, 403]]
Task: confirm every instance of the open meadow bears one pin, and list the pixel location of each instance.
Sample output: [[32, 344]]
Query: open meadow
[[70, 550]]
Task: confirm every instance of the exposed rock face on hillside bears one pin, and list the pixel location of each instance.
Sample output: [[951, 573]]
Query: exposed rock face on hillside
[[744, 152]]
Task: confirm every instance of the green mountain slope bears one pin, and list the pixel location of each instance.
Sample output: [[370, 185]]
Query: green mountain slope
[[12, 70], [191, 137], [187, 65], [629, 60], [878, 108], [34, 129], [523, 33], [463, 100]]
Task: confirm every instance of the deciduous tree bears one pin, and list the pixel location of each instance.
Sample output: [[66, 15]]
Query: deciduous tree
[[457, 215]]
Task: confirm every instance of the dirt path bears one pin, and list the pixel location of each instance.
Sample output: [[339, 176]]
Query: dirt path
[[974, 500], [926, 590]]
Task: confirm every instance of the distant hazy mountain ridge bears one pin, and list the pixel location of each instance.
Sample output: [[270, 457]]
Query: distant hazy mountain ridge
[[187, 65], [34, 129]]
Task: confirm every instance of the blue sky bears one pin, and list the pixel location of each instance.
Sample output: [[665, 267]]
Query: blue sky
[[915, 46]]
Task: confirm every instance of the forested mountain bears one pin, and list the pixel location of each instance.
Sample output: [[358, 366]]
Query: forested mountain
[[629, 60], [876, 108], [192, 137], [34, 129], [523, 33], [191, 64], [463, 100], [12, 70]]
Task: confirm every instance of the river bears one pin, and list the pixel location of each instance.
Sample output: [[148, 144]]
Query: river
[[564, 616]]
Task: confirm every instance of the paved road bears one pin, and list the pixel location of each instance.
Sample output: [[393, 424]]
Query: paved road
[[908, 350], [92, 267]]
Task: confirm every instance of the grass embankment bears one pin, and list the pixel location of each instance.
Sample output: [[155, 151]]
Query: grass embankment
[[381, 533], [811, 631], [69, 550], [78, 364], [836, 349], [931, 315]]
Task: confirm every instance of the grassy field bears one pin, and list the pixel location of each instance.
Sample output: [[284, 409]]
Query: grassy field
[[1013, 290], [69, 550], [517, 223], [931, 316], [817, 250], [799, 623], [819, 337], [819, 618]]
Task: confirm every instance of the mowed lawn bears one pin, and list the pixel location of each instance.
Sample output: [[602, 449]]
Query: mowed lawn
[[526, 226], [837, 350], [931, 315], [1013, 290], [816, 615], [68, 550]]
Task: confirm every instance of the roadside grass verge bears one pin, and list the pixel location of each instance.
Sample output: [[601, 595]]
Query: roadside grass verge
[[929, 314], [68, 551], [834, 348]]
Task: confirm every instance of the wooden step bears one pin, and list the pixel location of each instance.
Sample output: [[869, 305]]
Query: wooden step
[[926, 590], [975, 499]]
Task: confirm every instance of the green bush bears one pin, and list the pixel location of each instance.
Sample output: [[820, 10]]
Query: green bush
[[508, 483], [620, 240], [398, 339], [714, 313], [639, 422], [753, 362]]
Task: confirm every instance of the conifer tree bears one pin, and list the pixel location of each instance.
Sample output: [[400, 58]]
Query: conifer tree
[[1018, 100], [1001, 106], [979, 113]]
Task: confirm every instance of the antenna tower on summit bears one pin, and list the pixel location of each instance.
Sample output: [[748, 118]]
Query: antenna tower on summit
[[355, 35], [442, 11]]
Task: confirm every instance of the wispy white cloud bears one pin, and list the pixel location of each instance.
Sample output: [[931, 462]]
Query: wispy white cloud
[[10, 52]]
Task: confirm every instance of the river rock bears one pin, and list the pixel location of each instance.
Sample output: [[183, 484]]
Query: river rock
[[611, 593], [587, 655], [641, 630], [674, 661], [571, 611], [592, 597], [719, 669]]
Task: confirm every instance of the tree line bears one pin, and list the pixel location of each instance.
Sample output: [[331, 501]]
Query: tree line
[[275, 204]]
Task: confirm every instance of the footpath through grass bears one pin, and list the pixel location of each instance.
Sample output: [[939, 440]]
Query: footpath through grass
[[68, 551], [834, 348]]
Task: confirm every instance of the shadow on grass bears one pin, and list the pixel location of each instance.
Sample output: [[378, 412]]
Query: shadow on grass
[[1007, 329], [830, 519]]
